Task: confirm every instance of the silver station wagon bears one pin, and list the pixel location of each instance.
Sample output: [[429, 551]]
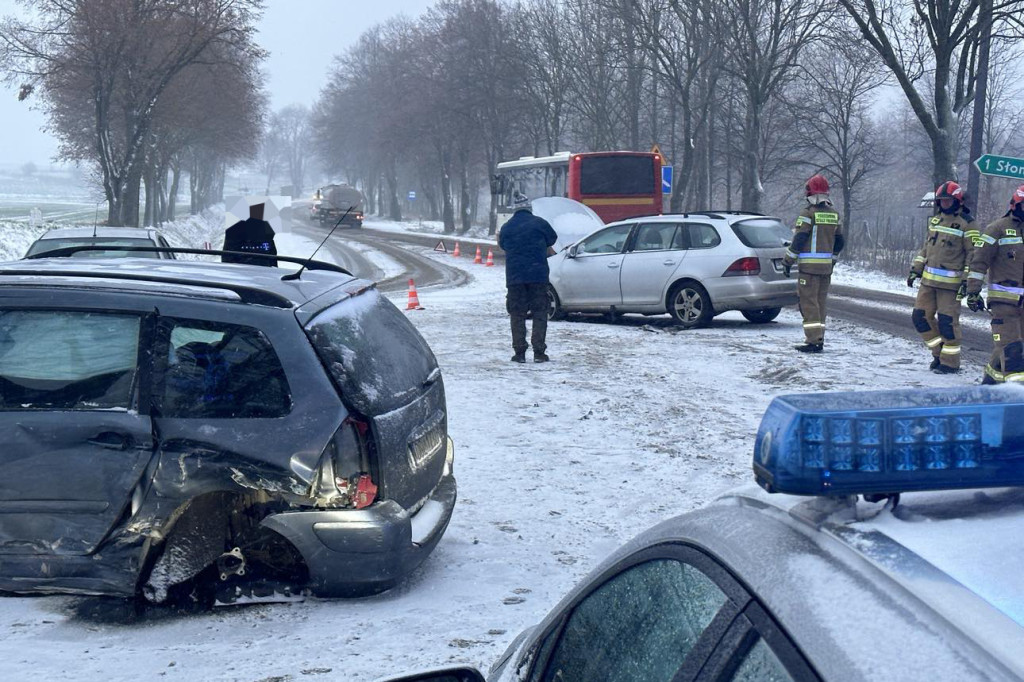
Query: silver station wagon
[[692, 266]]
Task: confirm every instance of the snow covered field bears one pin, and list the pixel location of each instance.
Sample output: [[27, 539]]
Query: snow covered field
[[557, 464]]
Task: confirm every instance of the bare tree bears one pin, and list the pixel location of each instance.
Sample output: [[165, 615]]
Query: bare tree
[[931, 43], [290, 129]]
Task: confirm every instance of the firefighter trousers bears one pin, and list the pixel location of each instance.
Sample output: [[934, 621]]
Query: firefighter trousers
[[1007, 362], [936, 318], [813, 292]]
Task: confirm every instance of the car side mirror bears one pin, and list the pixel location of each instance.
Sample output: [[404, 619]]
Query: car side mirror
[[445, 675], [572, 251]]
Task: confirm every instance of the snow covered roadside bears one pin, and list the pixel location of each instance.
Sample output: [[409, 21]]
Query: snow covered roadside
[[557, 465]]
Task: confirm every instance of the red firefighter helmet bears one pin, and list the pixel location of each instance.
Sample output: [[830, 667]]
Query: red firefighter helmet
[[817, 185], [952, 191], [1018, 198]]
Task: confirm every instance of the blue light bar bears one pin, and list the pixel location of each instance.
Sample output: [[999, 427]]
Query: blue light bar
[[892, 441]]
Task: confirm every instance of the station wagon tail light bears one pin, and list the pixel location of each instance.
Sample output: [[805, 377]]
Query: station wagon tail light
[[342, 480], [891, 441], [744, 266]]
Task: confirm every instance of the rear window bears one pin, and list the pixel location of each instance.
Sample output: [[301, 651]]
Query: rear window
[[61, 360], [627, 175], [377, 359], [44, 245], [762, 233]]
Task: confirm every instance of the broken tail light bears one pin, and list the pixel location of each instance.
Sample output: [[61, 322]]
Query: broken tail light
[[342, 479]]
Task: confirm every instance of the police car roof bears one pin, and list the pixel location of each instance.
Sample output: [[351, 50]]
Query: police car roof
[[189, 278]]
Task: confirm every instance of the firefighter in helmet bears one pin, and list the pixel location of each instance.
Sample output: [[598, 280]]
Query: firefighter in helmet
[[942, 266], [1000, 255], [817, 241]]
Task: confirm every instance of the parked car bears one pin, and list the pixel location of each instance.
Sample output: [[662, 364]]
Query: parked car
[[204, 428], [776, 586], [692, 266], [64, 237]]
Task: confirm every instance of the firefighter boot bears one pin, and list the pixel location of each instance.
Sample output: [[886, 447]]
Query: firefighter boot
[[810, 347]]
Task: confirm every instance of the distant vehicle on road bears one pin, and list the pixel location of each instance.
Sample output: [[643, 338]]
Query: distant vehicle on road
[[331, 202], [616, 185], [692, 266], [198, 430], [827, 584], [60, 238]]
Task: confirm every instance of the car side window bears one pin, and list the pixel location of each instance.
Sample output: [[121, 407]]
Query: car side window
[[639, 625], [655, 237], [221, 371], [702, 236], [761, 665], [606, 241], [67, 360]]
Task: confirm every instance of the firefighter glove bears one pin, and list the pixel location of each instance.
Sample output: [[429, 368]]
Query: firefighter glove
[[975, 302], [786, 267], [961, 292], [913, 276]]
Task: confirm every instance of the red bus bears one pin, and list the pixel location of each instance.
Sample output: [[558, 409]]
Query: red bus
[[615, 185]]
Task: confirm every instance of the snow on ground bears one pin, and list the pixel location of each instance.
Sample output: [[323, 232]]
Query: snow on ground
[[557, 465]]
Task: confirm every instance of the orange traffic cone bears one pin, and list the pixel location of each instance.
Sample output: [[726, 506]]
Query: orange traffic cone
[[478, 260], [414, 298], [490, 258], [456, 252]]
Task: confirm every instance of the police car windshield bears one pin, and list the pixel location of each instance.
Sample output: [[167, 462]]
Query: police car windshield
[[762, 233]]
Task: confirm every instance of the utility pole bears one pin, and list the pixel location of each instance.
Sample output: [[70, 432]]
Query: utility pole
[[980, 95]]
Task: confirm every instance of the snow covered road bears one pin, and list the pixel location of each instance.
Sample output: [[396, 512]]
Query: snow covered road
[[557, 464]]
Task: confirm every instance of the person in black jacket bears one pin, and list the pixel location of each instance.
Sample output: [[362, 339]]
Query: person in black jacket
[[255, 235], [527, 241]]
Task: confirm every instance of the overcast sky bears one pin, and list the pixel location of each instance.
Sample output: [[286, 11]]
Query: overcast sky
[[301, 35]]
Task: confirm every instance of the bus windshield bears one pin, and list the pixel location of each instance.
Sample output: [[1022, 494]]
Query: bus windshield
[[621, 175]]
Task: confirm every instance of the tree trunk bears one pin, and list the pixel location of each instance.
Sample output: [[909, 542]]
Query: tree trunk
[[751, 189], [447, 210], [464, 200], [172, 193], [394, 207]]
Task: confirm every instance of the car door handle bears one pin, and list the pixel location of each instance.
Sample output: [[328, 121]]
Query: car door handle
[[111, 440], [613, 265], [668, 262]]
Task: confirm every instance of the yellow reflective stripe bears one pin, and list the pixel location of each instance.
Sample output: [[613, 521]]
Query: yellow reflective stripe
[[987, 239], [950, 350], [826, 218], [1011, 240], [994, 373], [1016, 376], [931, 343], [791, 254], [973, 234], [948, 230], [920, 259], [815, 260], [1005, 295], [803, 220], [941, 278], [813, 325], [976, 275]]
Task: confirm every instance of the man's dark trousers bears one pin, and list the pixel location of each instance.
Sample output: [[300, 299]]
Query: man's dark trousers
[[522, 300]]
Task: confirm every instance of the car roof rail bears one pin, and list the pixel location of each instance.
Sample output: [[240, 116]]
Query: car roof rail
[[729, 212], [246, 293], [67, 251]]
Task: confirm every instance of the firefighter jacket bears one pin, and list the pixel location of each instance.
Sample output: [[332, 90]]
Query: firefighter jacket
[[945, 258], [1000, 256], [817, 239]]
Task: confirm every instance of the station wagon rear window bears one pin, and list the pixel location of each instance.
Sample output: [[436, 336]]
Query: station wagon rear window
[[762, 233], [377, 359], [67, 360], [44, 245]]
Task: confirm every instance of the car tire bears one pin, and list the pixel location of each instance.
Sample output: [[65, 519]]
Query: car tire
[[761, 315], [555, 310], [689, 305]]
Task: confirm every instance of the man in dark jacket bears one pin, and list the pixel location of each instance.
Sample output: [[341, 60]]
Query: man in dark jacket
[[255, 235], [527, 241]]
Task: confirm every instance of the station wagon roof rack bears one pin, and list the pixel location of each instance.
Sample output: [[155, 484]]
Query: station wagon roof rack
[[715, 213], [67, 251], [247, 294]]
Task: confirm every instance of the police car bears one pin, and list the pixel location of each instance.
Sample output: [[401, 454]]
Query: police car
[[881, 543]]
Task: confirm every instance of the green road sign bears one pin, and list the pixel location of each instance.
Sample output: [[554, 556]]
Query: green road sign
[[1003, 166]]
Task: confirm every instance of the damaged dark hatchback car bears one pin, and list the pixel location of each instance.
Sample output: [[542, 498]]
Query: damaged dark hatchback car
[[197, 429]]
